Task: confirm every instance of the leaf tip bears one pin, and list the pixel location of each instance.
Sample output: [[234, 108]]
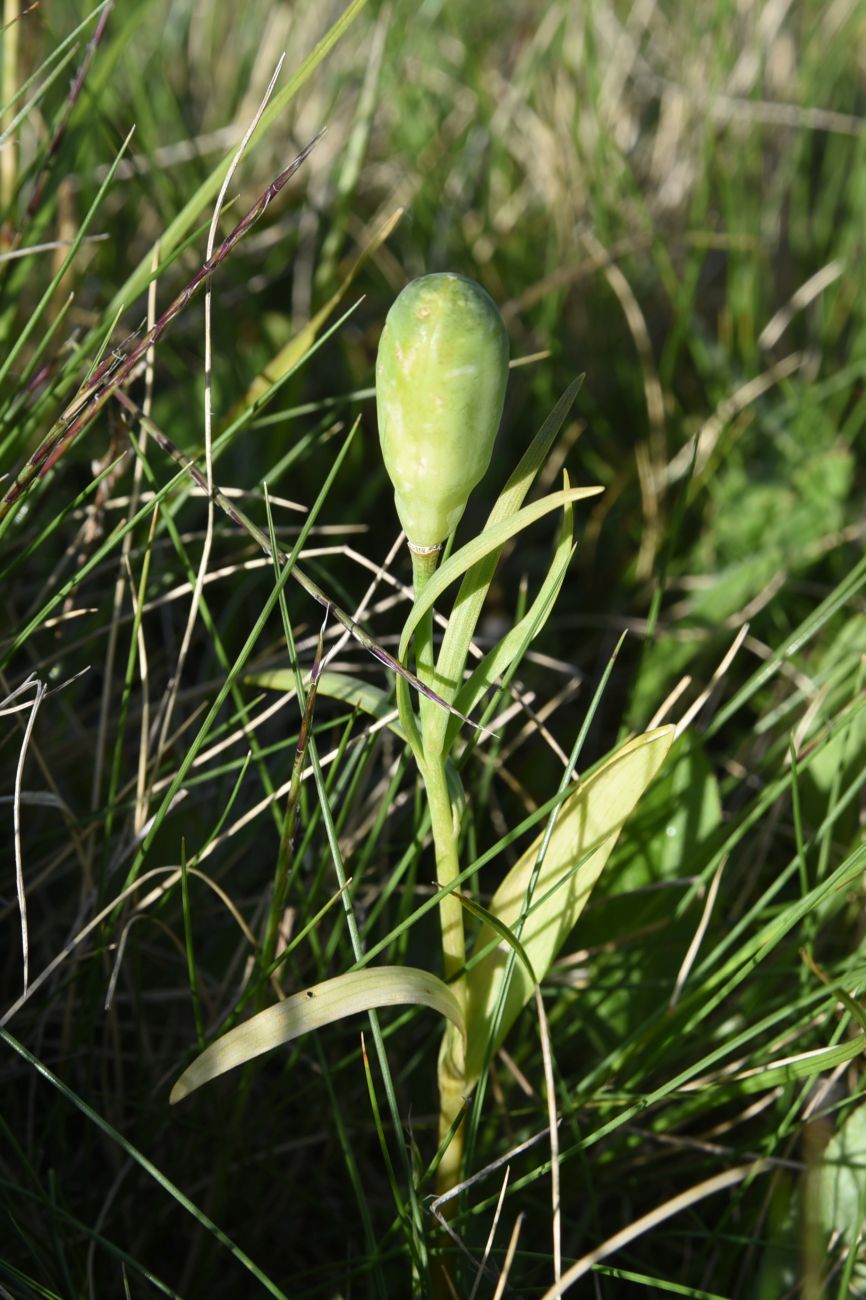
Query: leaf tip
[[180, 1090]]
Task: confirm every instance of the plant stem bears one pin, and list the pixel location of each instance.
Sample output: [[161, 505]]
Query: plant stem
[[445, 829], [452, 1057]]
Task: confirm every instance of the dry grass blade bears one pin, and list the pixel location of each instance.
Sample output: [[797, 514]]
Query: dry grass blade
[[647, 1222], [19, 859]]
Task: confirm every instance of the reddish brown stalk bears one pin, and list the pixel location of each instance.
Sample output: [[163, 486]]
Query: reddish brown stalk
[[75, 90], [117, 367]]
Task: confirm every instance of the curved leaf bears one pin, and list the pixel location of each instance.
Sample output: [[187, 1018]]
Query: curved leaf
[[491, 539], [320, 1004]]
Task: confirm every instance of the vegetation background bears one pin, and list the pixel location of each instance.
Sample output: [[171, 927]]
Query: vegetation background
[[668, 197]]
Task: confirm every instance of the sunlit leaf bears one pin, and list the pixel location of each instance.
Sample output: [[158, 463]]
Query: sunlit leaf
[[586, 830], [475, 584], [516, 641], [490, 540], [318, 1005]]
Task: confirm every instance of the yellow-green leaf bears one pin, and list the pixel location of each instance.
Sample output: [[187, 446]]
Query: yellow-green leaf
[[586, 830], [318, 1005]]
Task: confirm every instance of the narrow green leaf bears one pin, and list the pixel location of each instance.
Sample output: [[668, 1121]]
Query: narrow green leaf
[[321, 1004], [493, 922], [584, 835], [804, 1066], [490, 540], [476, 582], [354, 691], [515, 643]]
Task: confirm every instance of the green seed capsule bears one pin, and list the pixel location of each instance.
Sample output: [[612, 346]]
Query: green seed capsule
[[441, 373]]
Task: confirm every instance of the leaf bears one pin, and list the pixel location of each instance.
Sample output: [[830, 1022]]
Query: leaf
[[475, 584], [493, 922], [493, 536], [586, 830], [842, 1197], [806, 1065], [354, 691], [318, 1005], [515, 643]]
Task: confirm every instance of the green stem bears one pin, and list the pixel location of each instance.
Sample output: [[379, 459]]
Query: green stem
[[445, 829], [452, 1056], [447, 867]]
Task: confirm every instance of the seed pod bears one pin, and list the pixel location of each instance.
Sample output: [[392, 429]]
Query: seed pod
[[441, 373]]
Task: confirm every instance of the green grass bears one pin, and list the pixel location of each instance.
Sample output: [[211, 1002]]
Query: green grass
[[666, 198]]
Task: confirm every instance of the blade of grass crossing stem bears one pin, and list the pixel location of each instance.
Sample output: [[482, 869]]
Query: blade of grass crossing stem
[[354, 691], [142, 1161], [506, 935], [466, 875]]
